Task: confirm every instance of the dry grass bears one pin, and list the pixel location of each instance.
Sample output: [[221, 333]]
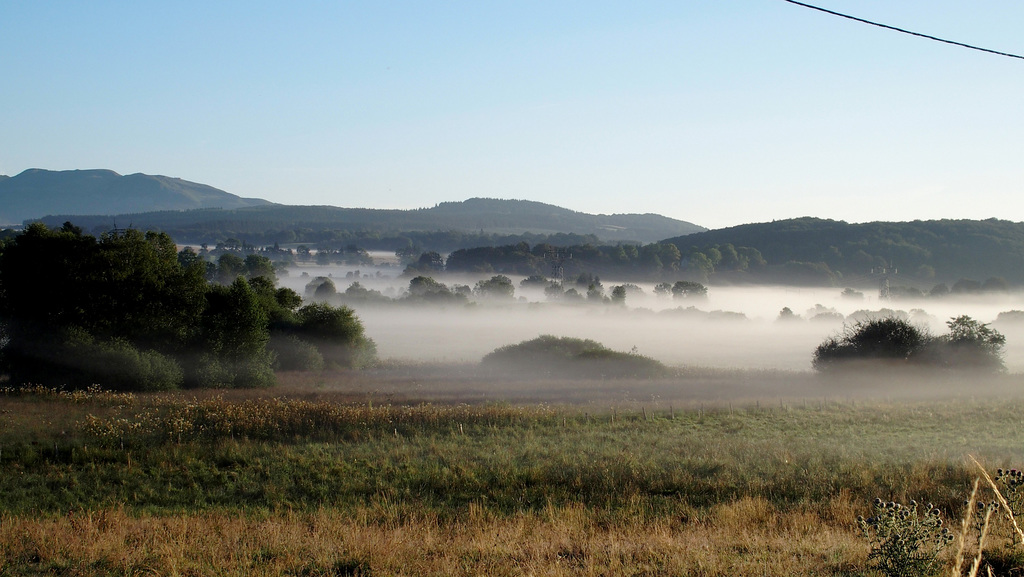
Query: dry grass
[[747, 537], [772, 488]]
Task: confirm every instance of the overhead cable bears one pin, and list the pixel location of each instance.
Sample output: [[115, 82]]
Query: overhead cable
[[880, 25]]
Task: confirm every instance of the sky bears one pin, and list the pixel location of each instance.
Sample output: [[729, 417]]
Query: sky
[[717, 112]]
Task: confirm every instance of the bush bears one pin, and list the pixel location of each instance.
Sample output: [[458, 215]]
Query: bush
[[74, 359], [295, 354], [970, 345], [567, 357], [337, 333]]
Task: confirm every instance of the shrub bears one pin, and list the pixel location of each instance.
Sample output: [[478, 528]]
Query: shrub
[[121, 367], [886, 338], [568, 357], [295, 354], [337, 333], [75, 359], [969, 345]]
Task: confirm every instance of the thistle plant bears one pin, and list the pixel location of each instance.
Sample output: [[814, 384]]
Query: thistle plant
[[905, 540], [1011, 485]]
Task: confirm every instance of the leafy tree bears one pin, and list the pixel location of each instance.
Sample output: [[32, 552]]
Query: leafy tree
[[714, 255], [969, 345], [852, 294], [428, 262], [235, 332], [229, 267], [127, 287], [426, 289], [139, 291], [752, 257], [187, 257], [337, 333], [534, 280], [650, 257], [279, 304], [572, 296], [685, 289], [787, 314], [701, 264], [325, 291], [320, 288], [966, 286], [619, 295], [356, 292], [553, 291], [586, 280], [995, 284], [496, 287], [669, 255], [595, 294], [408, 254], [259, 266]]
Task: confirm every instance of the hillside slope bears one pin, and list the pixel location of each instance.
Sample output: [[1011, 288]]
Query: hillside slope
[[921, 251], [35, 193], [263, 223]]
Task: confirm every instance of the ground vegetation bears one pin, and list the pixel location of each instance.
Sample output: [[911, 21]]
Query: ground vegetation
[[322, 483]]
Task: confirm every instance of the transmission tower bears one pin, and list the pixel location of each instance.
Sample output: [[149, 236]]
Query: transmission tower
[[883, 273], [556, 256]]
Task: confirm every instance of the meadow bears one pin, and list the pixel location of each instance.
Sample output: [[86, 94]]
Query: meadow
[[437, 471]]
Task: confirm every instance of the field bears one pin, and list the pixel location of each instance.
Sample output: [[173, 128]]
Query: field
[[438, 471]]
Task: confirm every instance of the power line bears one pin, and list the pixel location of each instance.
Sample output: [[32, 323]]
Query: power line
[[880, 25]]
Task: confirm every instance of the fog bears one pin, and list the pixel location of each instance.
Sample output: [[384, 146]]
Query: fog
[[647, 324]]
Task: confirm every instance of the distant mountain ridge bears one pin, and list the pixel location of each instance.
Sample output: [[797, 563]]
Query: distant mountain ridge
[[267, 224], [35, 193], [192, 212]]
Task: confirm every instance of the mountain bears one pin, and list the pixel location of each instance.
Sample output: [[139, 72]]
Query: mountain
[[285, 223], [921, 253], [36, 193]]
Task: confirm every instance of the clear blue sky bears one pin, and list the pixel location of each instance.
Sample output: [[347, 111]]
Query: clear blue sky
[[713, 111]]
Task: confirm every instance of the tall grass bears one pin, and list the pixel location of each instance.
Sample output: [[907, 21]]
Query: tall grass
[[123, 484]]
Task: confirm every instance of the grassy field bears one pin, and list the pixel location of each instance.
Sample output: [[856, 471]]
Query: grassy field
[[385, 474]]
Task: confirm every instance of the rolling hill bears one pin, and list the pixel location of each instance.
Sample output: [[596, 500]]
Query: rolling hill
[[922, 252], [35, 193], [278, 223]]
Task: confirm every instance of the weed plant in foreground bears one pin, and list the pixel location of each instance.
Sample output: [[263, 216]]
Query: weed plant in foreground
[[310, 486]]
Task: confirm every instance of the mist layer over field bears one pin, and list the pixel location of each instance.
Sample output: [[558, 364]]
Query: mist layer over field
[[735, 327]]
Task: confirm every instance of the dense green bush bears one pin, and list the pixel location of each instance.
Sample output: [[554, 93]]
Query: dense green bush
[[566, 357], [895, 341], [337, 333]]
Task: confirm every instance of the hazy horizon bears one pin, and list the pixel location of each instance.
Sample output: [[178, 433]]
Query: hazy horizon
[[650, 323]]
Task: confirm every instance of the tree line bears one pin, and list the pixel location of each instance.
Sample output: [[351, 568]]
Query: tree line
[[126, 310], [919, 254]]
